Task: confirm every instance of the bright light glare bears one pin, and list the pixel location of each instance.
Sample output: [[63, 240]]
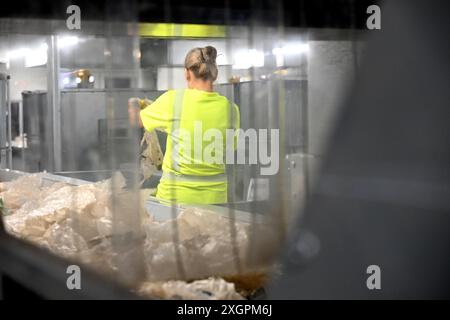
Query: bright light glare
[[66, 81], [78, 80], [296, 48], [33, 57], [289, 49], [17, 53], [279, 59], [68, 41], [91, 79], [36, 57], [246, 59]]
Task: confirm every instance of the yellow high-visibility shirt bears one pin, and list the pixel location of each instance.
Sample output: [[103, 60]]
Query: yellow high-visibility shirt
[[186, 115]]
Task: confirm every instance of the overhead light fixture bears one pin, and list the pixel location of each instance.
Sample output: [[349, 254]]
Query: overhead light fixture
[[91, 79], [78, 80]]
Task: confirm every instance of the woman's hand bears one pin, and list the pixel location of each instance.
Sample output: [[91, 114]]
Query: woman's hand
[[134, 110]]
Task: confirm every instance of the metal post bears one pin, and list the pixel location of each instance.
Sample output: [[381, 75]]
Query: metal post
[[8, 105], [22, 136], [54, 100], [3, 111]]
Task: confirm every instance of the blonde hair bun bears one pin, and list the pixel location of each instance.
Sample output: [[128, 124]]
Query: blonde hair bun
[[202, 62], [209, 54]]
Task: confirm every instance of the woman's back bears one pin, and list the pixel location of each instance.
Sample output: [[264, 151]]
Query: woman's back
[[196, 122]]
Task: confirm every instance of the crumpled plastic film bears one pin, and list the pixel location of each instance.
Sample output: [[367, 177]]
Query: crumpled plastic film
[[104, 226], [63, 240], [54, 208], [207, 289], [20, 191], [99, 256], [76, 222], [205, 246]]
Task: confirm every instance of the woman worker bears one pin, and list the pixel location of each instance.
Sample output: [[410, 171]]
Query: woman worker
[[187, 177]]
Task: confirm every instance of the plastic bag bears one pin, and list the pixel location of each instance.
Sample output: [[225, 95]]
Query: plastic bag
[[151, 156]]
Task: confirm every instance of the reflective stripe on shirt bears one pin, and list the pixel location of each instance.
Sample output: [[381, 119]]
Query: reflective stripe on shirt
[[177, 108], [190, 178]]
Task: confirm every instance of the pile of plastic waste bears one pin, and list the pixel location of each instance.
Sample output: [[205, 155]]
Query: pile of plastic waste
[[207, 289], [76, 222]]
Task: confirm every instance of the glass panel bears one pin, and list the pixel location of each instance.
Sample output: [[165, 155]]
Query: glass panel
[[107, 199]]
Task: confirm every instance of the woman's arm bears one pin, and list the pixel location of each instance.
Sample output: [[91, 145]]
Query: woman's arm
[[155, 114]]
